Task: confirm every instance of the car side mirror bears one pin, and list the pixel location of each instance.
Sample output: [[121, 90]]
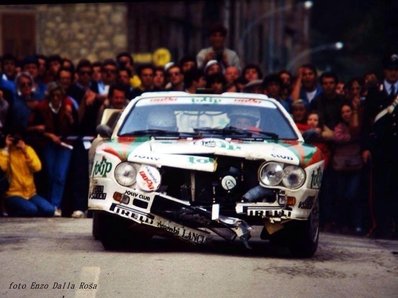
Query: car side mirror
[[310, 136], [104, 131]]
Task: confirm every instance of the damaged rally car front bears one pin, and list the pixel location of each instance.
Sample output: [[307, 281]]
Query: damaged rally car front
[[196, 166]]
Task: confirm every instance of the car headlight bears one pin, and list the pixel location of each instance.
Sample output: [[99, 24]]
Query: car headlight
[[293, 177], [274, 174], [125, 173], [271, 174]]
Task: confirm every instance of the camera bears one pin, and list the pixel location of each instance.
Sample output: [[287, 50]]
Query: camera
[[2, 140], [15, 140], [219, 56]]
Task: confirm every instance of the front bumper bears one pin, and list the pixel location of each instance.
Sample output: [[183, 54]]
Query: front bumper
[[180, 219]]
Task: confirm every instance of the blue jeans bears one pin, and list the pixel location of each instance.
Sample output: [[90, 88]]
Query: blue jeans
[[56, 164], [326, 196], [348, 207], [35, 206]]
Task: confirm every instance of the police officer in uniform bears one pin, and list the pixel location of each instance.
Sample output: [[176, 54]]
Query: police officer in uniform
[[381, 147]]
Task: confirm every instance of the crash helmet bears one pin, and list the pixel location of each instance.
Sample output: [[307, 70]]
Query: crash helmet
[[245, 112], [161, 118]]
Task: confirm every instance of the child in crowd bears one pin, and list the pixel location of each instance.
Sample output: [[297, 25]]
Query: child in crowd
[[299, 114], [319, 135]]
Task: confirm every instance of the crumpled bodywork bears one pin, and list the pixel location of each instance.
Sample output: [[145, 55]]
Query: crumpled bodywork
[[183, 218]]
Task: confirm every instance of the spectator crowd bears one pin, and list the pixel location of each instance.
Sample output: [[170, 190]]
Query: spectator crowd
[[49, 106]]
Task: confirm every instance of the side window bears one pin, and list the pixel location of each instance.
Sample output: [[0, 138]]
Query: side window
[[113, 119]]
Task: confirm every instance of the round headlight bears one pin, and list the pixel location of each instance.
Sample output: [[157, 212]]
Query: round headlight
[[125, 173], [293, 177], [271, 174]]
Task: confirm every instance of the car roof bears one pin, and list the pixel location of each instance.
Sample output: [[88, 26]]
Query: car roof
[[182, 93]]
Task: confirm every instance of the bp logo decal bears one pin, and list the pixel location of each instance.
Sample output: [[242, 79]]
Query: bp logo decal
[[316, 178], [102, 168]]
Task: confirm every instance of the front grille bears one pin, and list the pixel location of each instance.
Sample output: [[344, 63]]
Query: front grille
[[232, 179]]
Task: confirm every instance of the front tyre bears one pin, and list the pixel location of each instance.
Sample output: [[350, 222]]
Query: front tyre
[[304, 235], [117, 233], [96, 230]]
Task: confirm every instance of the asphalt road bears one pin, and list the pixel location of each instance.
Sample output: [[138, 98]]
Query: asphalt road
[[58, 257]]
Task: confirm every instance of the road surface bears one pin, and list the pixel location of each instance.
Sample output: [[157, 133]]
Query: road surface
[[57, 257]]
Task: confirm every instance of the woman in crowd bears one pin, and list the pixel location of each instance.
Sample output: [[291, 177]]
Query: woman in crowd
[[59, 120], [21, 162], [347, 164]]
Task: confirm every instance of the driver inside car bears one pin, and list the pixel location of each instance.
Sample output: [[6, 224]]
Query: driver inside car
[[244, 119]]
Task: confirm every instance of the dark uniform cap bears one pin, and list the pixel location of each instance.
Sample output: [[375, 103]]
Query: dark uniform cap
[[391, 61]]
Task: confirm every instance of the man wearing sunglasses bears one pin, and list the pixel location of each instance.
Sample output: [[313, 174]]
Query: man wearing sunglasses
[[175, 78], [30, 64], [108, 77], [22, 104]]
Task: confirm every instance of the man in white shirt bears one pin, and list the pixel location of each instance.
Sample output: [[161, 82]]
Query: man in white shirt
[[217, 50]]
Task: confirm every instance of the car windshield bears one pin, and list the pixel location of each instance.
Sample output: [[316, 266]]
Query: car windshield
[[204, 117]]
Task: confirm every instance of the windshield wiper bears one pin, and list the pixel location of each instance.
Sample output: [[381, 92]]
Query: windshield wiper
[[235, 131], [250, 132], [210, 130], [159, 132], [229, 130], [272, 135], [232, 131]]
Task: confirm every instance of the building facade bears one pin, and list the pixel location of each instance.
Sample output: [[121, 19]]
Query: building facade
[[265, 32]]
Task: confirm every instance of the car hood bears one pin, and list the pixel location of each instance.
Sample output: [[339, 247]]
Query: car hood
[[201, 154]]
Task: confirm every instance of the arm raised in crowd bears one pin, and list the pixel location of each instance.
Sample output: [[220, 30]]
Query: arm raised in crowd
[[295, 94]]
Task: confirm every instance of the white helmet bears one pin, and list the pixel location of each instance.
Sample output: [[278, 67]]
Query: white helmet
[[161, 118], [246, 112], [244, 118]]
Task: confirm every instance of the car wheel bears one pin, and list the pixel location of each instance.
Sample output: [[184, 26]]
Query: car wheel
[[304, 236], [96, 225], [116, 232]]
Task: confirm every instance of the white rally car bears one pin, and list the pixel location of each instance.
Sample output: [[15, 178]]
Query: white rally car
[[197, 166]]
